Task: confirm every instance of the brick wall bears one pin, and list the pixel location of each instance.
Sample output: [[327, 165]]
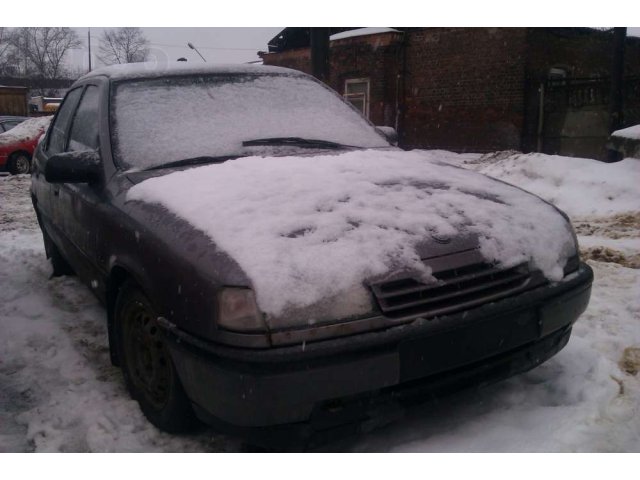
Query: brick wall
[[464, 88], [298, 59], [582, 52], [568, 128], [374, 57]]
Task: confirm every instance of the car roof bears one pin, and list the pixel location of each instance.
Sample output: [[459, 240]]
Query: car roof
[[155, 70]]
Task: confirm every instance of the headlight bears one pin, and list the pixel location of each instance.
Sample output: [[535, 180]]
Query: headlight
[[574, 260], [572, 264], [238, 311]]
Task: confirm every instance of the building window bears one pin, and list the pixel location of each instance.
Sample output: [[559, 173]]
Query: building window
[[356, 92], [558, 75]]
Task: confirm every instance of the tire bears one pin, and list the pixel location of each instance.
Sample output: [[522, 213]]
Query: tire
[[60, 266], [149, 373], [19, 163]]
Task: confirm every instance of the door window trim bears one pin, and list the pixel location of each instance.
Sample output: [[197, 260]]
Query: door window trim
[[73, 114]]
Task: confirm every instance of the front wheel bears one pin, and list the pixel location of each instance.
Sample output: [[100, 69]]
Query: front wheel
[[19, 163], [149, 373]]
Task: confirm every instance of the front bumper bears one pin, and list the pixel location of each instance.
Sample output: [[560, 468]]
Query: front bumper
[[259, 388]]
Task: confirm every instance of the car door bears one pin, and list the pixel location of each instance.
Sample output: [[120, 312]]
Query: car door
[[55, 142], [78, 203]]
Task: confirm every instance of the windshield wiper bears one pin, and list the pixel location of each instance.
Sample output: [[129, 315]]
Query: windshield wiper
[[294, 141], [194, 161]]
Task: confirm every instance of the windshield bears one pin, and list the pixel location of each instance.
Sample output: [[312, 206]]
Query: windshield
[[158, 121]]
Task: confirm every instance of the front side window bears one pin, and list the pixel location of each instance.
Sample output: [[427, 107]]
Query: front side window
[[84, 129], [356, 92], [59, 129]]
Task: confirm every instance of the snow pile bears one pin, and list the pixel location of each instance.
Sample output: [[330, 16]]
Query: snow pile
[[27, 130], [310, 228], [216, 116], [579, 186], [630, 132], [361, 32]]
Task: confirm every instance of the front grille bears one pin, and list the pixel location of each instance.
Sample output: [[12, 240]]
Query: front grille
[[456, 289]]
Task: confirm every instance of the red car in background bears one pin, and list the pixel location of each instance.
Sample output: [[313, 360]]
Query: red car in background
[[17, 145]]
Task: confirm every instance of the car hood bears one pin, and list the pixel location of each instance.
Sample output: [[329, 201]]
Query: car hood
[[311, 233]]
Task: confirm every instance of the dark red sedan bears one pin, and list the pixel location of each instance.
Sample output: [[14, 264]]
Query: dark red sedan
[[18, 144]]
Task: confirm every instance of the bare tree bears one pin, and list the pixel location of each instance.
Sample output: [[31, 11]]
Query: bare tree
[[6, 50], [4, 41], [123, 45], [43, 49]]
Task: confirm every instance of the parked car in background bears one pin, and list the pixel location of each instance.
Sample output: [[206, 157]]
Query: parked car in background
[[18, 144], [271, 260], [7, 122]]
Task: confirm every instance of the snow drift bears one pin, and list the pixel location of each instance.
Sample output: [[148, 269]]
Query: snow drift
[[579, 186], [629, 132]]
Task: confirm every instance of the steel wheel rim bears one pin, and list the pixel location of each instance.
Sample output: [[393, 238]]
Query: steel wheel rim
[[147, 355], [22, 164]]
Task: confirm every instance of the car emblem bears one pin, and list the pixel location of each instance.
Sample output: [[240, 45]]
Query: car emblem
[[441, 239]]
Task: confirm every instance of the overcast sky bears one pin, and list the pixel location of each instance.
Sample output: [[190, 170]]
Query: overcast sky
[[217, 45]]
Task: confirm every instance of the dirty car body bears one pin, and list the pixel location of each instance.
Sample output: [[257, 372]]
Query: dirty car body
[[478, 321]]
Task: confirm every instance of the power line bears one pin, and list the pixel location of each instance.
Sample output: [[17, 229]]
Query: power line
[[206, 48]]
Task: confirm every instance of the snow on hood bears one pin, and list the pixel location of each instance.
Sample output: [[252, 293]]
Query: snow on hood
[[306, 229], [27, 130]]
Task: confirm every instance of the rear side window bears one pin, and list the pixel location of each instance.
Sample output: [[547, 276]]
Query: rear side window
[[59, 128], [84, 129]]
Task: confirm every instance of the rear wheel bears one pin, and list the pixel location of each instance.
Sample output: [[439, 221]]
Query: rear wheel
[[149, 373], [19, 163]]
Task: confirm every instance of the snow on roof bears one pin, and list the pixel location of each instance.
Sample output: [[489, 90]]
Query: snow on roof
[[361, 32], [156, 69], [630, 132], [26, 130], [308, 229]]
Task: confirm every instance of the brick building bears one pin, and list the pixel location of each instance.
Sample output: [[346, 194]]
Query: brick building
[[476, 89]]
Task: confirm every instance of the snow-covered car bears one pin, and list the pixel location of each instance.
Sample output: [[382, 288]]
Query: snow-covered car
[[18, 144], [267, 258]]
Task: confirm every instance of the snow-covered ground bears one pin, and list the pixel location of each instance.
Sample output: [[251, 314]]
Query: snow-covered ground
[[58, 391]]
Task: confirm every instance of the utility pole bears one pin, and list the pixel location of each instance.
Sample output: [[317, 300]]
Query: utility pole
[[617, 79], [617, 86], [89, 43], [320, 53]]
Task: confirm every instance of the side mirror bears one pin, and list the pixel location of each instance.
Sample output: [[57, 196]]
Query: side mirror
[[74, 167], [389, 133]]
